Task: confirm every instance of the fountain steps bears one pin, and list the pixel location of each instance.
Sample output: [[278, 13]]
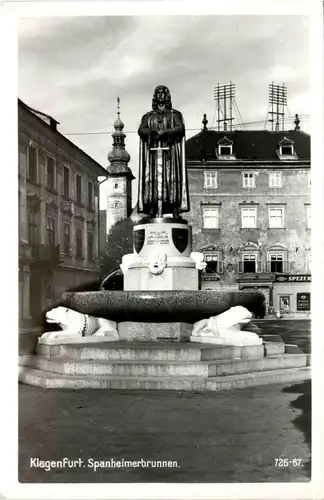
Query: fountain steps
[[131, 368], [54, 380], [168, 366], [151, 351]]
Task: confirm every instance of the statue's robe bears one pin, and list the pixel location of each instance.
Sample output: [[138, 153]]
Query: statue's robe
[[174, 174]]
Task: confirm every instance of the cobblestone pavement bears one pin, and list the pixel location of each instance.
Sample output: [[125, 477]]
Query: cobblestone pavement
[[214, 437]]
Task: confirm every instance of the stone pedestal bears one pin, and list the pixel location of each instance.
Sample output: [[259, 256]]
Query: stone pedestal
[[161, 258], [135, 330]]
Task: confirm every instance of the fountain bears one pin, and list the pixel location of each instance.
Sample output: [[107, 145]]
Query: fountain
[[161, 331]]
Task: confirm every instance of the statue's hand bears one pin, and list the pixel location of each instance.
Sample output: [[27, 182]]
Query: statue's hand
[[153, 135]]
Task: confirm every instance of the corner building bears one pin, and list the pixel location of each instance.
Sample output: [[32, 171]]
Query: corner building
[[58, 215], [251, 213]]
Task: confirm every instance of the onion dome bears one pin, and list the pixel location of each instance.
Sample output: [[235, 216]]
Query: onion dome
[[118, 156]]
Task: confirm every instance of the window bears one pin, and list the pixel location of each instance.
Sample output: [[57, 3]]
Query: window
[[66, 182], [248, 179], [287, 150], [249, 217], [32, 228], [249, 263], [50, 230], [66, 238], [276, 263], [275, 179], [210, 179], [116, 185], [309, 262], [78, 235], [32, 164], [212, 263], [210, 218], [50, 173], [90, 245], [78, 179], [308, 216], [276, 217], [116, 204], [90, 196], [225, 150]]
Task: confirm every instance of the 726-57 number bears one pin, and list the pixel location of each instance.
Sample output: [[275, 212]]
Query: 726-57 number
[[285, 462]]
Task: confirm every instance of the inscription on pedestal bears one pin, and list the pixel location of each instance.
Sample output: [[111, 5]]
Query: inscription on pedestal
[[160, 237]]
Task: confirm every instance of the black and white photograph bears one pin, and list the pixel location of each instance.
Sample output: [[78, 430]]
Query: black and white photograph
[[165, 238]]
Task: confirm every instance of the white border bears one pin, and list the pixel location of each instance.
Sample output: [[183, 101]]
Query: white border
[[9, 486]]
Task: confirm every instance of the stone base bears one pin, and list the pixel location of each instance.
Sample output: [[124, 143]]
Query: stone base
[[132, 330], [172, 278], [224, 341], [75, 339]]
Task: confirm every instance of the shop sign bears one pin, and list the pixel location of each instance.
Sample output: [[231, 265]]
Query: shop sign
[[303, 301], [293, 278]]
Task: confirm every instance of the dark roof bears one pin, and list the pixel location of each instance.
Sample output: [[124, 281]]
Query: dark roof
[[52, 127], [247, 144]]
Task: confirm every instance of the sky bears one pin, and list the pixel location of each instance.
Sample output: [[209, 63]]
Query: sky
[[73, 68]]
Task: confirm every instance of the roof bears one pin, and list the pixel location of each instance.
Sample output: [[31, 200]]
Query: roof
[[39, 115], [247, 144]]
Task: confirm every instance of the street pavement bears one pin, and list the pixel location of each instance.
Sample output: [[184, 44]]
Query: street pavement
[[230, 436]]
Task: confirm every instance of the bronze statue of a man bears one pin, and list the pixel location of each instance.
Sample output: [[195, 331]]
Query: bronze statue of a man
[[163, 182]]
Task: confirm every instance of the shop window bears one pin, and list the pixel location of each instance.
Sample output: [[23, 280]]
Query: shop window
[[284, 303]]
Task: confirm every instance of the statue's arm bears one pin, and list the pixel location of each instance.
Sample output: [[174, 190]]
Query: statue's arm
[[144, 130], [178, 130]]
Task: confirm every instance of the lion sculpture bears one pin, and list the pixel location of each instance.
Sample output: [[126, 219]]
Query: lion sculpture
[[77, 325], [226, 328]]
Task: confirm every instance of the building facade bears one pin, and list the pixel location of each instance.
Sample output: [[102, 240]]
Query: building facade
[[58, 215], [251, 213]]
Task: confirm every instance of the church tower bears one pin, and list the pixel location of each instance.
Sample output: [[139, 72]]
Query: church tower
[[119, 182]]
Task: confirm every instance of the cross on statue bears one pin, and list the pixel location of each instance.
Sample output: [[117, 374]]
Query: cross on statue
[[159, 151]]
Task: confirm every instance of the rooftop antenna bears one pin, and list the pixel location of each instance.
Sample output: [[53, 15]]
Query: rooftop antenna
[[224, 95], [278, 103]]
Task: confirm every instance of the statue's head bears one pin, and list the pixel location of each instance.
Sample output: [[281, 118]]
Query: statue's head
[[161, 96]]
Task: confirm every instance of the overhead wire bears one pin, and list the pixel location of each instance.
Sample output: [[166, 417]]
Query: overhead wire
[[244, 124]]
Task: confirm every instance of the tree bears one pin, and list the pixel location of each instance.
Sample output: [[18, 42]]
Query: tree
[[119, 243]]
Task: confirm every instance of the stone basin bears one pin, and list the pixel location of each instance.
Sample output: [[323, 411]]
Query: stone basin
[[162, 306]]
